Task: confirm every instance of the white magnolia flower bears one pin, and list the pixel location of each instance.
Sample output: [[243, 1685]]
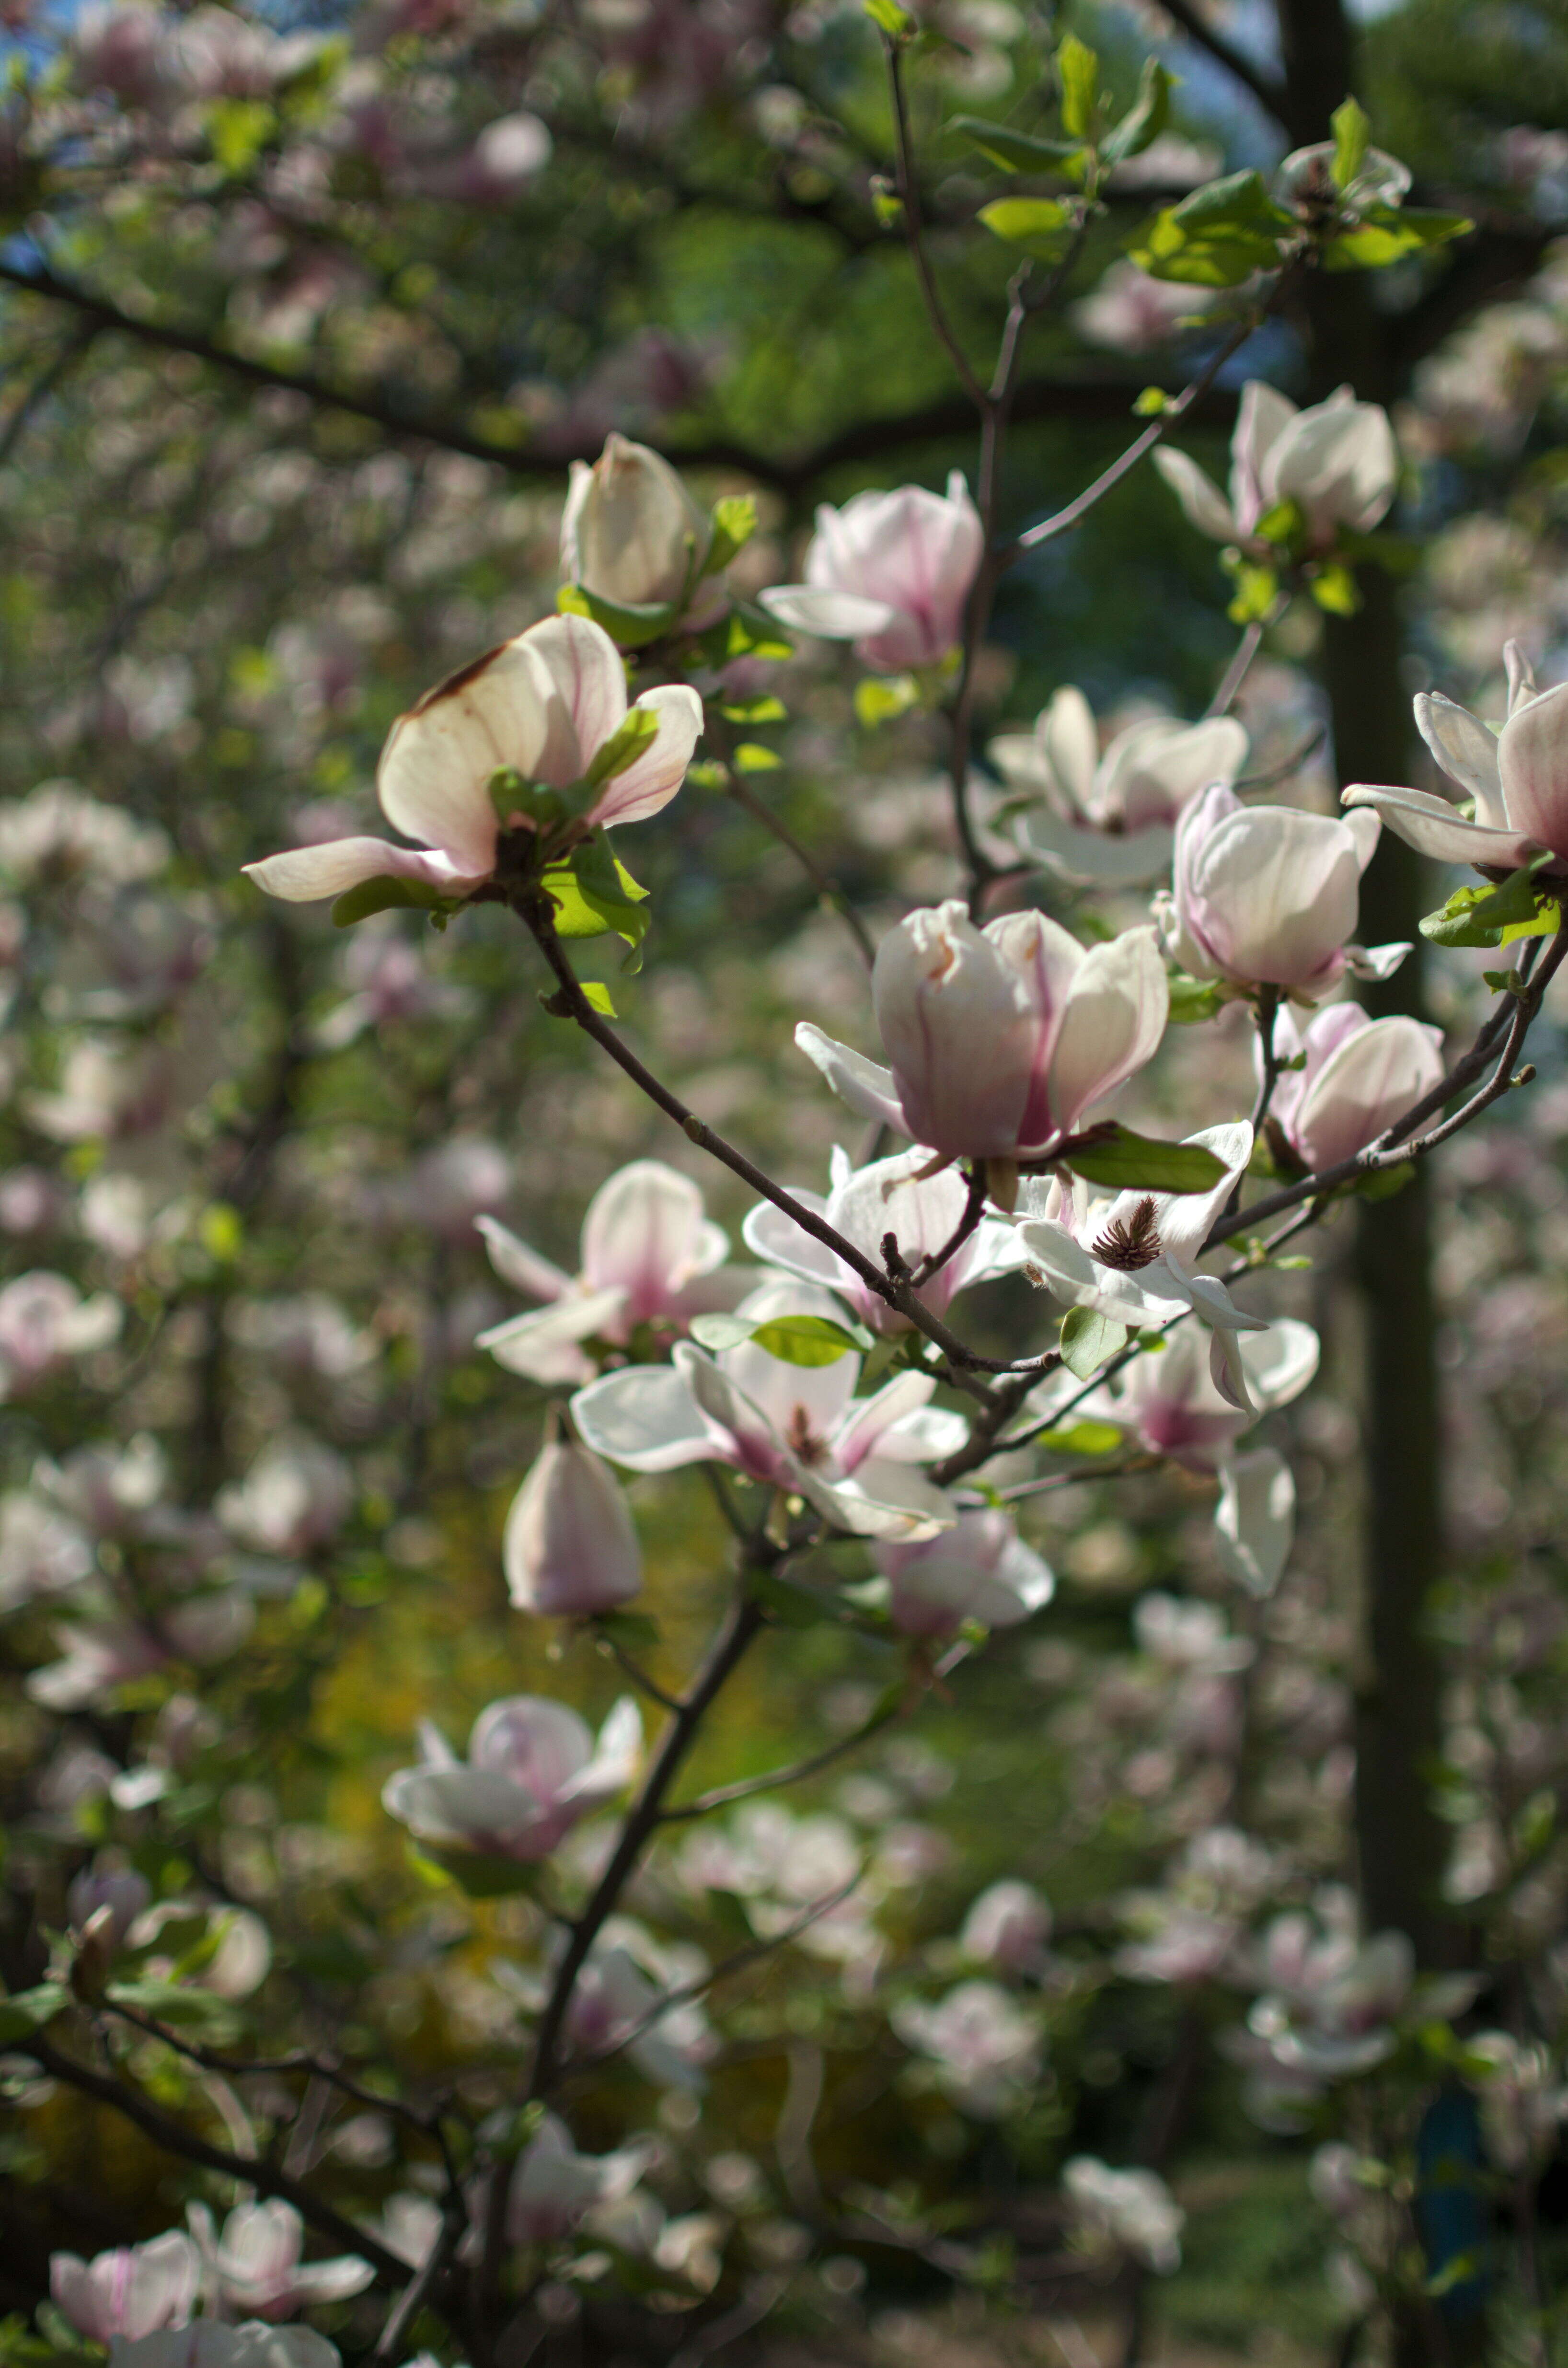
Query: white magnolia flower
[[1168, 1400], [797, 1428], [1112, 819], [891, 573], [1131, 2209], [1132, 1260], [552, 2185], [865, 1204], [570, 1546], [1337, 461], [980, 1570], [650, 1255], [986, 2048], [532, 1771], [630, 533], [42, 1551], [256, 2265], [129, 2292], [1008, 1926], [1516, 779], [209, 2343], [1358, 1075], [296, 1496], [44, 1320], [545, 706]]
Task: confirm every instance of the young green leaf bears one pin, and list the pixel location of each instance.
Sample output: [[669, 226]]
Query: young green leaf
[[1089, 1341], [1217, 237], [630, 628], [1352, 129], [1040, 226], [1139, 1163], [1078, 73], [1080, 1439], [1017, 151], [809, 1339], [1475, 915], [1144, 120], [734, 523], [1386, 234], [1193, 999], [637, 732], [385, 896]]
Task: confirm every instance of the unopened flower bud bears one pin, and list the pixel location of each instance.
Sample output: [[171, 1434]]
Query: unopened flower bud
[[570, 1549], [631, 533]]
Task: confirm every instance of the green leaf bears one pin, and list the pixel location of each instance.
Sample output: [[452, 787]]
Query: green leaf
[[637, 732], [1334, 589], [734, 523], [595, 895], [1352, 129], [1477, 916], [746, 632], [237, 132], [28, 2010], [879, 698], [1144, 120], [1080, 1439], [180, 2007], [1384, 1182], [1151, 403], [637, 1631], [791, 1605], [1130, 1162], [1386, 234], [1088, 1341], [1258, 589], [808, 1339], [1043, 227], [631, 628], [1015, 152], [1078, 73], [763, 708], [1193, 999], [751, 756], [1217, 237], [728, 1911], [386, 894], [1547, 921], [479, 1874], [896, 22], [598, 997]]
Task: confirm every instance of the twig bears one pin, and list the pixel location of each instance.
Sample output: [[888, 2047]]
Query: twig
[[827, 888], [635, 1671], [914, 224], [236, 2068], [1270, 92], [1236, 673], [747, 1787], [975, 1209], [43, 386], [414, 2295]]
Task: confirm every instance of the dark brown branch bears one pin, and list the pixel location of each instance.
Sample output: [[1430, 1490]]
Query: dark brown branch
[[1264, 87]]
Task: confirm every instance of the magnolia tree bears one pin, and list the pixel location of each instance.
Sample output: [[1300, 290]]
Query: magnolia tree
[[458, 2071]]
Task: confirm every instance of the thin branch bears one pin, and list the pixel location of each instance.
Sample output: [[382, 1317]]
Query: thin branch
[[232, 2068], [747, 1787], [973, 1210], [1236, 673], [828, 889], [420, 2287], [634, 1670], [43, 386], [175, 2139], [914, 227], [1265, 88]]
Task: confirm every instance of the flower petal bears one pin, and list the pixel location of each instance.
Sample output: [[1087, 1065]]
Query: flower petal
[[1431, 826], [1255, 1522], [883, 1499], [644, 1417], [831, 616], [304, 874], [434, 776], [516, 1263], [779, 1241], [649, 783], [1281, 1362], [1113, 1018], [865, 1085], [1467, 753], [866, 1420], [542, 1344], [583, 682], [1199, 496], [1533, 761], [1182, 1219], [1122, 858]]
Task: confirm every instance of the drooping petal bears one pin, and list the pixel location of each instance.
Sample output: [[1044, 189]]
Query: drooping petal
[[305, 874], [831, 616], [644, 1417], [543, 1344], [1467, 753], [865, 1085], [1430, 825], [516, 1263], [650, 782], [1281, 1362], [1377, 961], [865, 1422], [779, 1241], [1112, 859], [1255, 1522], [1203, 502], [881, 1499]]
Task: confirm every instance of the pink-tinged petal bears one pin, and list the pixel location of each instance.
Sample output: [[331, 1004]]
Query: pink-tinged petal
[[1371, 1077], [1115, 1017], [649, 783], [583, 680], [434, 776], [1365, 829], [544, 1345], [616, 1756], [1467, 753], [1533, 761], [1113, 859], [1227, 1371], [1377, 961], [538, 1743], [865, 1085], [516, 1263], [831, 616], [1281, 1362], [869, 1417], [883, 1499], [1204, 503], [1255, 1522], [778, 1241], [1182, 1219], [739, 1431], [1264, 418], [644, 1417], [471, 1807], [305, 874], [1431, 826]]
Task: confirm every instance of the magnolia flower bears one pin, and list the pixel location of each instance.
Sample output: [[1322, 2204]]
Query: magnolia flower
[[1130, 1260], [1361, 1074], [43, 1320], [1111, 817], [797, 1428], [1337, 462], [1170, 1401], [552, 2185], [630, 533], [1336, 2021], [1267, 896], [1516, 779], [985, 2048], [1306, 180], [42, 1551], [616, 2004], [125, 1894], [865, 1204], [1131, 313], [547, 706], [1000, 1038], [256, 2264], [454, 1184], [130, 2292], [569, 1548], [98, 1656], [889, 572], [980, 1570], [650, 1255], [296, 1496], [533, 1769], [1255, 1522], [1131, 2209], [1008, 1927], [1523, 2104]]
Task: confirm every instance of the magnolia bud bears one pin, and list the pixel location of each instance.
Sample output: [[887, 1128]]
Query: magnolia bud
[[570, 1549], [631, 533]]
